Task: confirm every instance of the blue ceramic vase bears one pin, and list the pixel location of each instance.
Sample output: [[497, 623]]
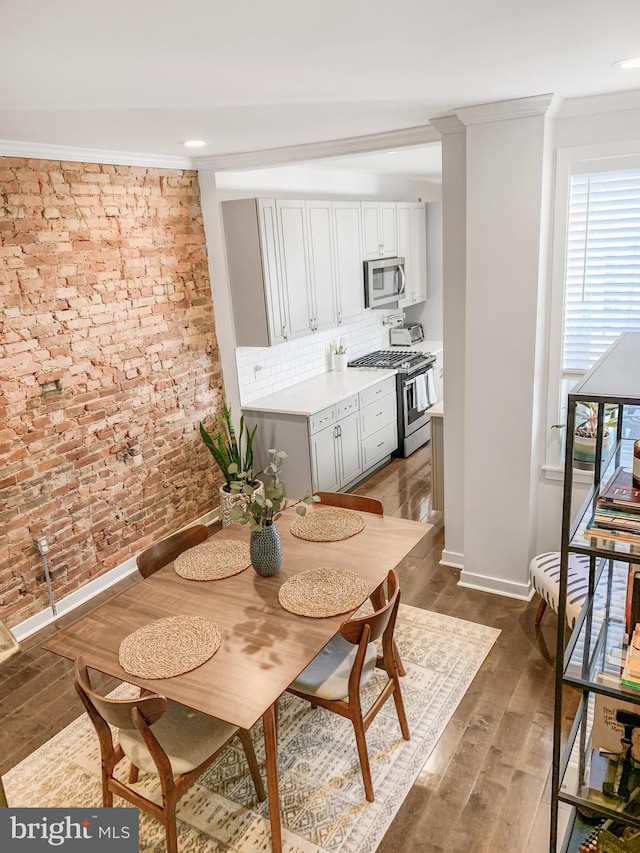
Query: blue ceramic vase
[[265, 549]]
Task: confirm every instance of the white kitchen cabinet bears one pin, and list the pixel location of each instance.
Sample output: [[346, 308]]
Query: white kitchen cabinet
[[253, 263], [348, 447], [349, 266], [379, 229], [324, 460], [333, 447], [280, 258], [321, 253], [335, 455], [412, 246], [295, 268]]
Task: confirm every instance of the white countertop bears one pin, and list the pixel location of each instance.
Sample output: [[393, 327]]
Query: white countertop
[[437, 410], [313, 395]]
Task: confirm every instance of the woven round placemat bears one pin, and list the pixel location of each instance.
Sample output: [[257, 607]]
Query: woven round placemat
[[327, 525], [169, 646], [213, 560], [322, 592]]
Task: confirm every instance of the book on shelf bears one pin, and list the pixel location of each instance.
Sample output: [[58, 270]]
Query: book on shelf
[[619, 491], [617, 519], [607, 534]]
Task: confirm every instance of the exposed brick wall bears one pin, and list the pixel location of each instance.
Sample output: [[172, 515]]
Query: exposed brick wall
[[108, 361]]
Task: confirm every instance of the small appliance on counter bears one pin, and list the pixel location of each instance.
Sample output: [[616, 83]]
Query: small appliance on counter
[[406, 334]]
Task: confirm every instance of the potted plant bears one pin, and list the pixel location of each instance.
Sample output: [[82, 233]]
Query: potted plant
[[584, 436], [261, 511], [234, 460]]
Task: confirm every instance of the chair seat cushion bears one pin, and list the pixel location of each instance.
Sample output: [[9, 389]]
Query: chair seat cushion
[[187, 736], [327, 676], [545, 576]]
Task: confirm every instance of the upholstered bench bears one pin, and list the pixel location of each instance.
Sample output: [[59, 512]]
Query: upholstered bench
[[544, 571]]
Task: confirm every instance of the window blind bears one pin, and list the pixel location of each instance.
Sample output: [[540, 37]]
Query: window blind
[[602, 292]]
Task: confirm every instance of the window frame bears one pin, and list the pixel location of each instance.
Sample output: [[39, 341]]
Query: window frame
[[607, 157]]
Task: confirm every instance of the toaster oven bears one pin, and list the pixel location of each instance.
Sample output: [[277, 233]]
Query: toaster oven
[[406, 335]]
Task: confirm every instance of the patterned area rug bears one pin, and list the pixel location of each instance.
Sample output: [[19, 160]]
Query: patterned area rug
[[323, 804]]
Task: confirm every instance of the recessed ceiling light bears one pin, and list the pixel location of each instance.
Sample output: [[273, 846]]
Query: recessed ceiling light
[[195, 143], [631, 64], [392, 152]]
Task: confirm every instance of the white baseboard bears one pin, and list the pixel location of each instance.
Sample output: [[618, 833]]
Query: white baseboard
[[452, 559], [497, 586], [90, 590]]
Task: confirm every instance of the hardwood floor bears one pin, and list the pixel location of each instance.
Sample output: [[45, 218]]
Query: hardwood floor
[[484, 788]]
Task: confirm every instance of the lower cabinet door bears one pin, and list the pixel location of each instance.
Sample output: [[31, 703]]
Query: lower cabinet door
[[380, 444], [350, 460], [324, 460]]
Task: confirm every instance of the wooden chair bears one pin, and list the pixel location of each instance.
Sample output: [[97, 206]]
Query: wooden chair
[[162, 553], [356, 502], [359, 502], [334, 678], [162, 737]]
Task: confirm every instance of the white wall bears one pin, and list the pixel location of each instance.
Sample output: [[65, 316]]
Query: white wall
[[607, 125], [261, 371]]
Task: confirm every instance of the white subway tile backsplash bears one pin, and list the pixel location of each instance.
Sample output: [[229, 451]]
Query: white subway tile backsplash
[[286, 364]]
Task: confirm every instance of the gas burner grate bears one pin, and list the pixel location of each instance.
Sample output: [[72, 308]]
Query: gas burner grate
[[390, 360]]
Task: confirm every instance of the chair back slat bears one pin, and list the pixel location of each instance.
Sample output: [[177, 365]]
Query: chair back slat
[[352, 629], [356, 502], [162, 553], [117, 712]]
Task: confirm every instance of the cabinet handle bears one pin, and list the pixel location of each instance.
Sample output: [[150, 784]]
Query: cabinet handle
[[339, 318], [380, 445], [379, 413], [338, 431], [284, 332]]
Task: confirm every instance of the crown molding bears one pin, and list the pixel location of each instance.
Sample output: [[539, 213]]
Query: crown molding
[[447, 124], [536, 105], [39, 151], [609, 103], [270, 157]]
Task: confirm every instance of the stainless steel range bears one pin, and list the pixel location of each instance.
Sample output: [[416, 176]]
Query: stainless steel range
[[414, 389]]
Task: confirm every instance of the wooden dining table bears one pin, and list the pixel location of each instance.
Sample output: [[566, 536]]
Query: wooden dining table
[[264, 647]]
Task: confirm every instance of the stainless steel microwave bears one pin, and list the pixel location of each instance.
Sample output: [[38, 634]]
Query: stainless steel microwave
[[384, 282]]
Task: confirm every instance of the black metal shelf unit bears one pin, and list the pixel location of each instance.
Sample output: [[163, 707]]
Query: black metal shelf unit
[[613, 381]]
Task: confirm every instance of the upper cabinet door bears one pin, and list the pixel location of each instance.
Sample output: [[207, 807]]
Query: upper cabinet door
[[320, 250], [371, 237], [419, 246], [276, 313], [295, 267], [387, 228], [379, 229], [349, 267]]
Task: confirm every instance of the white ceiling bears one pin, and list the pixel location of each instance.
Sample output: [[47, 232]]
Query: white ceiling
[[144, 75]]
